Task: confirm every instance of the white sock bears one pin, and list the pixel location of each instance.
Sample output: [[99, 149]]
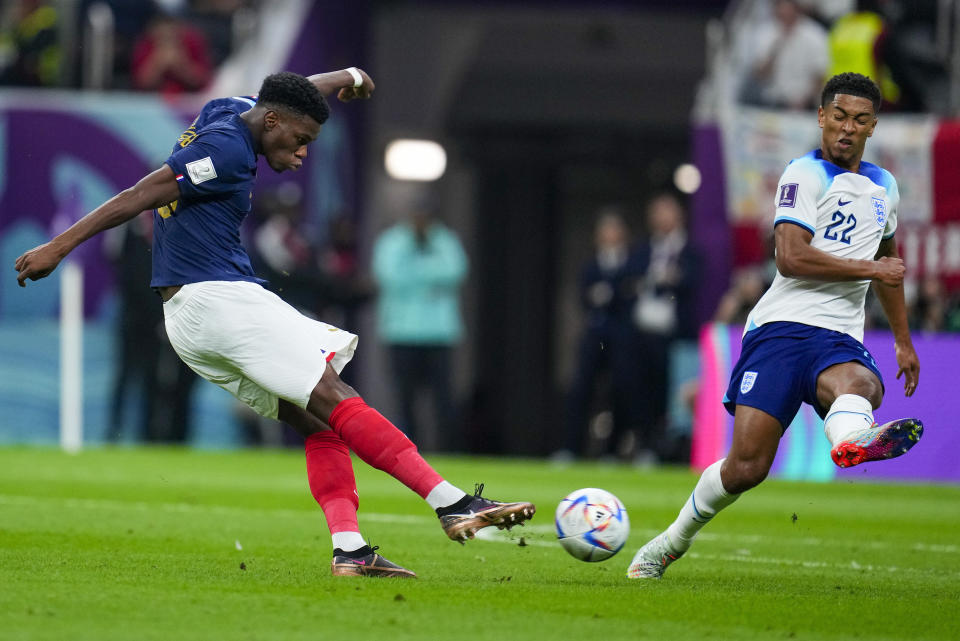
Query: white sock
[[347, 541], [444, 494], [848, 415], [707, 498]]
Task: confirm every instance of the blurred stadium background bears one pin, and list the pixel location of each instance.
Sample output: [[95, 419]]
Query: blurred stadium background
[[545, 112]]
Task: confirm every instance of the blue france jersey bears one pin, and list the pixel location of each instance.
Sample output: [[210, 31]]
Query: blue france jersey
[[848, 214], [197, 237]]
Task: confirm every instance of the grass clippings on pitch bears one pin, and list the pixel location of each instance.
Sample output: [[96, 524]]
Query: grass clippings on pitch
[[181, 544]]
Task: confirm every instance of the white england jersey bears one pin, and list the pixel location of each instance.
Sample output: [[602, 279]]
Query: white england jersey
[[848, 215]]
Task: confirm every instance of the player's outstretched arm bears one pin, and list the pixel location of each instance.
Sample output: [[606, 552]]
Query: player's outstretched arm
[[343, 83], [894, 306], [154, 190], [797, 258]]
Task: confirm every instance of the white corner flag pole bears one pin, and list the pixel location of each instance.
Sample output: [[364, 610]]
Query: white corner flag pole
[[71, 357]]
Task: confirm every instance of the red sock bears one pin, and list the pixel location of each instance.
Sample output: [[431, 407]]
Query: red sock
[[330, 473], [381, 445]]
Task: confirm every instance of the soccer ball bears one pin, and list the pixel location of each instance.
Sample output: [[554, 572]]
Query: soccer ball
[[592, 524]]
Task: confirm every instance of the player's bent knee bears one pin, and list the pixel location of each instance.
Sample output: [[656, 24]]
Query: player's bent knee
[[328, 393], [740, 475], [869, 388], [302, 421], [849, 378]]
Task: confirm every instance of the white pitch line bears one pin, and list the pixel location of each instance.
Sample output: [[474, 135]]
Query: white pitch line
[[513, 537], [488, 534], [746, 558], [498, 536], [141, 506]]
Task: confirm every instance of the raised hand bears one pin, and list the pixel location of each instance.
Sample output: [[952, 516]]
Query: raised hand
[[347, 94], [908, 366], [37, 263]]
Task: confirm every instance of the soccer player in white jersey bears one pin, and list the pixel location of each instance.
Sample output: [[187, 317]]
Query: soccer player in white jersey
[[834, 231], [232, 331]]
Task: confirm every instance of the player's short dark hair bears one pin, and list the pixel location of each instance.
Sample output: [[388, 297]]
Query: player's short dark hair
[[294, 92], [851, 84]]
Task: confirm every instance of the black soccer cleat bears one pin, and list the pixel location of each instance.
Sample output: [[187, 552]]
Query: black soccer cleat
[[462, 520], [366, 562]]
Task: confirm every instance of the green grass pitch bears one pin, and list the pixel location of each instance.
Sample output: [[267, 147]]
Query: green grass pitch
[[186, 544]]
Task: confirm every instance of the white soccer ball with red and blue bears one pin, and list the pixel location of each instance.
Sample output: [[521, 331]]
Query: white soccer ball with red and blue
[[592, 524]]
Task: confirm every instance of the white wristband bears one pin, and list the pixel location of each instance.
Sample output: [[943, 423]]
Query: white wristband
[[357, 78]]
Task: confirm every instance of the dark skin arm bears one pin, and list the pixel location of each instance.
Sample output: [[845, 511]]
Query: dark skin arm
[[892, 300], [153, 190], [342, 82], [796, 258]]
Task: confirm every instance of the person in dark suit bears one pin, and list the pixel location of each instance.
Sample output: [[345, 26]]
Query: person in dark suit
[[663, 312], [607, 352]]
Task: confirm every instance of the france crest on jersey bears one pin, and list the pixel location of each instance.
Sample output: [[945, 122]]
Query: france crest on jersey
[[848, 214]]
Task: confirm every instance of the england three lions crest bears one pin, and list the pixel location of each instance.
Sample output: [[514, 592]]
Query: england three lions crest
[[746, 383], [880, 211]]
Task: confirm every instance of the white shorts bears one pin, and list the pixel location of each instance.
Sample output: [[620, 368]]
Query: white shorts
[[251, 343]]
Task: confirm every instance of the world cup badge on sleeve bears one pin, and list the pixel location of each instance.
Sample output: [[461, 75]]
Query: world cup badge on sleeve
[[746, 383], [880, 211], [788, 195]]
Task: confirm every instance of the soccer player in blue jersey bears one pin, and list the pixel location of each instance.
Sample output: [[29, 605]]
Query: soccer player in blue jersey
[[834, 231], [232, 331]]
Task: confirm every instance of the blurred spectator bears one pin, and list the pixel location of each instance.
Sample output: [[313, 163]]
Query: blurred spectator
[[281, 253], [895, 43], [930, 307], [171, 57], [826, 12], [791, 60], [173, 7], [912, 56], [30, 53], [147, 369], [140, 320], [215, 19], [347, 287], [664, 313], [953, 314], [130, 19], [324, 283], [748, 285], [608, 354], [856, 43], [420, 265]]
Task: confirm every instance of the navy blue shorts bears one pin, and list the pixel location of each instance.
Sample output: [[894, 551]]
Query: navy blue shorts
[[779, 365]]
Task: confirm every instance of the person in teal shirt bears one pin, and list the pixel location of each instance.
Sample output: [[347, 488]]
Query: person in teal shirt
[[419, 265]]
